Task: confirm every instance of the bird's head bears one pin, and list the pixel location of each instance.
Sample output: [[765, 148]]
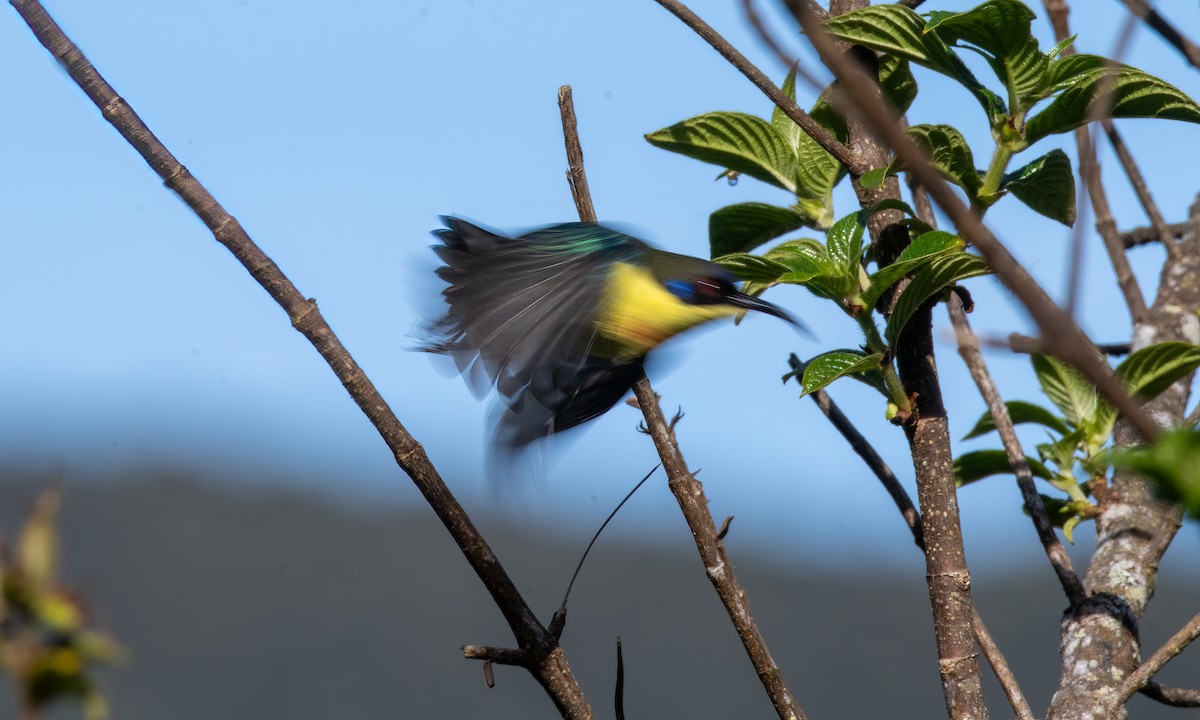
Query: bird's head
[[698, 282]]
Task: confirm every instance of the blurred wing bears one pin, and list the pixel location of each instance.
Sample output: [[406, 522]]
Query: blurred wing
[[520, 318]]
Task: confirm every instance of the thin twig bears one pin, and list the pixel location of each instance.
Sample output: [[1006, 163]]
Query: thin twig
[[1067, 340], [1004, 674], [562, 607], [542, 655], [1148, 234], [1140, 188], [690, 494], [814, 129], [1162, 656], [912, 518], [1173, 696], [1160, 25], [1093, 182], [576, 177], [968, 348], [863, 448], [785, 59]]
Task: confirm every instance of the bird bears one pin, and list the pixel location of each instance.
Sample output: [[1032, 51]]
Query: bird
[[560, 320]]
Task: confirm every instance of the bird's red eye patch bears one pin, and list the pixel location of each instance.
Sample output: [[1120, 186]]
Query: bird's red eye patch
[[709, 288]]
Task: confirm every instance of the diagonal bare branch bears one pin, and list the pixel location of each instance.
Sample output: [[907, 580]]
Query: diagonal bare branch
[[542, 655], [1172, 647], [683, 484], [814, 129], [1168, 32]]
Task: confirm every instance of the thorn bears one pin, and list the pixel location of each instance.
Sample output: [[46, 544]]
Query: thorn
[[724, 528], [675, 420]]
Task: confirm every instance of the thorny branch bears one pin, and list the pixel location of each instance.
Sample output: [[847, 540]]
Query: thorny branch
[[683, 484], [542, 655]]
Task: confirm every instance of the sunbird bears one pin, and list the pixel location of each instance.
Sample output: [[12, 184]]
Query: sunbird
[[560, 320]]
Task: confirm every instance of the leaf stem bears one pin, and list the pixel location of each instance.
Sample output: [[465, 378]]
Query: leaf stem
[[989, 191], [875, 344]]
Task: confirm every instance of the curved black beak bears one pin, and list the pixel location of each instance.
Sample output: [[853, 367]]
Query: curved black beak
[[740, 299]]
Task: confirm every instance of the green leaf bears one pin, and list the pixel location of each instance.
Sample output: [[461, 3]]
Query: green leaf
[[751, 267], [1062, 45], [930, 280], [1066, 388], [999, 30], [1046, 185], [950, 154], [1173, 463], [1151, 370], [896, 30], [737, 141], [827, 367], [844, 242], [745, 226], [897, 82], [979, 464], [784, 125], [1061, 452], [1088, 83], [920, 251], [873, 179], [1019, 412]]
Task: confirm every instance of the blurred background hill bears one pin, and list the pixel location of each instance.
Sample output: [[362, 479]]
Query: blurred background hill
[[265, 603]]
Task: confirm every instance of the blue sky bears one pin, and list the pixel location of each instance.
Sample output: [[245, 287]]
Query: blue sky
[[337, 138]]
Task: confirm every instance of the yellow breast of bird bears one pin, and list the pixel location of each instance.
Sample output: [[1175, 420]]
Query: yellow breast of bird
[[639, 313]]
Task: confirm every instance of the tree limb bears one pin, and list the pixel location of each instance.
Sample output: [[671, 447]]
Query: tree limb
[[544, 658], [1172, 647], [687, 490]]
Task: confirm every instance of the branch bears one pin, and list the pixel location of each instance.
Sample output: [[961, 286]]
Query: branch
[[870, 456], [814, 129], [1065, 338], [782, 55], [1189, 50], [1138, 183], [1004, 674], [1148, 234], [543, 656], [687, 490], [1180, 640], [1173, 696], [968, 348], [576, 177], [904, 504]]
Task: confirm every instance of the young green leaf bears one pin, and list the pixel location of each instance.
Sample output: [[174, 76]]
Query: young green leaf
[[751, 267], [979, 464], [999, 30], [1019, 412], [1151, 370], [1066, 388], [1088, 84], [920, 251], [873, 179], [736, 141], [930, 280], [827, 367], [745, 226], [1046, 185]]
